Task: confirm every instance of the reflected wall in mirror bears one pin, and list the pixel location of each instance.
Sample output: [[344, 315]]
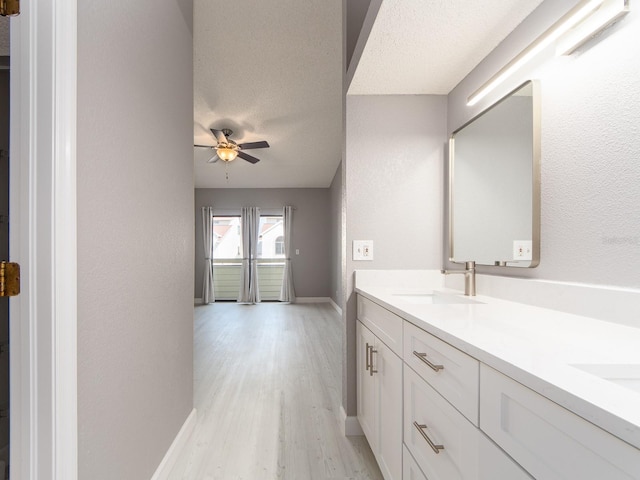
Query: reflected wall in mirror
[[494, 184]]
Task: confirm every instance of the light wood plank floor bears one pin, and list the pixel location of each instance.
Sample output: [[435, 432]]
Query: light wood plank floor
[[267, 390]]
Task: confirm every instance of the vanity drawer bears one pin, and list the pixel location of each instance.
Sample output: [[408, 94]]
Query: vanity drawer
[[549, 441], [410, 469], [457, 380], [426, 411], [385, 325], [494, 464]]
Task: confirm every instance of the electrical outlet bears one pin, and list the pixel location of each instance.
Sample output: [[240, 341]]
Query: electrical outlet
[[522, 249], [363, 249]]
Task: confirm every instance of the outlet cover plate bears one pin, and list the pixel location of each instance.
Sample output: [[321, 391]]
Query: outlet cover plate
[[363, 250], [522, 249]]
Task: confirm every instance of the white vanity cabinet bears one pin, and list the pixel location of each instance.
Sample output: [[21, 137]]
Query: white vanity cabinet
[[477, 382], [379, 386], [548, 440], [434, 405], [443, 442]]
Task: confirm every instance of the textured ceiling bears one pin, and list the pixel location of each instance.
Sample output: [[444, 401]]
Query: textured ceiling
[[269, 70], [429, 46], [272, 70]]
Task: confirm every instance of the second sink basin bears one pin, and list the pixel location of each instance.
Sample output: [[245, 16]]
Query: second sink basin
[[433, 298], [625, 375]]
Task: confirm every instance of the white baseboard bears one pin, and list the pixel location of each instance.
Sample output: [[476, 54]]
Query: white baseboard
[[169, 460], [198, 301], [335, 306], [328, 300], [351, 425], [313, 299]]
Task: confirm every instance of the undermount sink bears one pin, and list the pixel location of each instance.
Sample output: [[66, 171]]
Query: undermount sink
[[624, 375], [433, 298]]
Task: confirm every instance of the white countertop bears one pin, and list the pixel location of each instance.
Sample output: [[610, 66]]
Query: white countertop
[[537, 347]]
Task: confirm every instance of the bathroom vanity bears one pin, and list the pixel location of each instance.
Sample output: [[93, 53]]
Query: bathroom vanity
[[455, 387]]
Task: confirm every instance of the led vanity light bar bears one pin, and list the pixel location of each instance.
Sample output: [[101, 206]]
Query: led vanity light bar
[[581, 23]]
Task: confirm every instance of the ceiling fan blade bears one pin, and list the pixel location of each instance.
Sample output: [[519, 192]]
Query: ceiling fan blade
[[250, 145], [213, 159], [248, 157], [205, 146], [220, 137]]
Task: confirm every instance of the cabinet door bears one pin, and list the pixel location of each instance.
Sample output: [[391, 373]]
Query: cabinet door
[[495, 464], [365, 389], [549, 441], [388, 374]]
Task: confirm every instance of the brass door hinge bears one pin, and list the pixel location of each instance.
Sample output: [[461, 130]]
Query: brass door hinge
[[9, 279], [9, 8]]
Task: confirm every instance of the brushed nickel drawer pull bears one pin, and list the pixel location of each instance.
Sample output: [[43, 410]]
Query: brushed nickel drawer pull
[[423, 358], [371, 370], [421, 428], [366, 357]]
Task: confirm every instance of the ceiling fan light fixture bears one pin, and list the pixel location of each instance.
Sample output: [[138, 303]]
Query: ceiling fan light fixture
[[227, 154]]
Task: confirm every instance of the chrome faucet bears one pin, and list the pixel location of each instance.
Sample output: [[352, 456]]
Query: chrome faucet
[[469, 273]]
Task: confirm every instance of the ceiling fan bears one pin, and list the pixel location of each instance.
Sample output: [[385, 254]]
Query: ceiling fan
[[227, 150]]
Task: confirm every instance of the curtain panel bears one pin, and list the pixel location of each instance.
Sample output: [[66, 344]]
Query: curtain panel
[[250, 220], [208, 239], [287, 292]]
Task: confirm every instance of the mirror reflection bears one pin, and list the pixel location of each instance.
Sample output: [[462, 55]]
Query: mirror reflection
[[494, 184]]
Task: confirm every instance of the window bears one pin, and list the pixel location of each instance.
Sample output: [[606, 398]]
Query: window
[[270, 257], [228, 244], [227, 255], [271, 230], [280, 245]]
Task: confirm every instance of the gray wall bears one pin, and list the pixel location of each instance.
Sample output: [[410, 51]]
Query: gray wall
[[135, 233], [360, 16], [311, 230], [393, 196], [590, 228], [356, 12], [336, 208]]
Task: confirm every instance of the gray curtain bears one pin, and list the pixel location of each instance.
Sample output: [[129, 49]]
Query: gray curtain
[[250, 220], [287, 292], [208, 239]]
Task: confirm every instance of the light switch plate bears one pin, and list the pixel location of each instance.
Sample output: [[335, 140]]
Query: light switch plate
[[363, 249]]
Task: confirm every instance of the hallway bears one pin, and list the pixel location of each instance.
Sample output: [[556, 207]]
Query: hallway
[[267, 391]]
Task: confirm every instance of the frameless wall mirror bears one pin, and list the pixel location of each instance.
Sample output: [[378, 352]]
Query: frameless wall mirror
[[494, 184]]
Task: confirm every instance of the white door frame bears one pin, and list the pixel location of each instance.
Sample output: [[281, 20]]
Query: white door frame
[[43, 318]]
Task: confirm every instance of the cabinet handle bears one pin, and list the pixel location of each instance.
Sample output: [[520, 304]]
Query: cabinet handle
[[423, 358], [366, 357], [421, 428], [371, 352]]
